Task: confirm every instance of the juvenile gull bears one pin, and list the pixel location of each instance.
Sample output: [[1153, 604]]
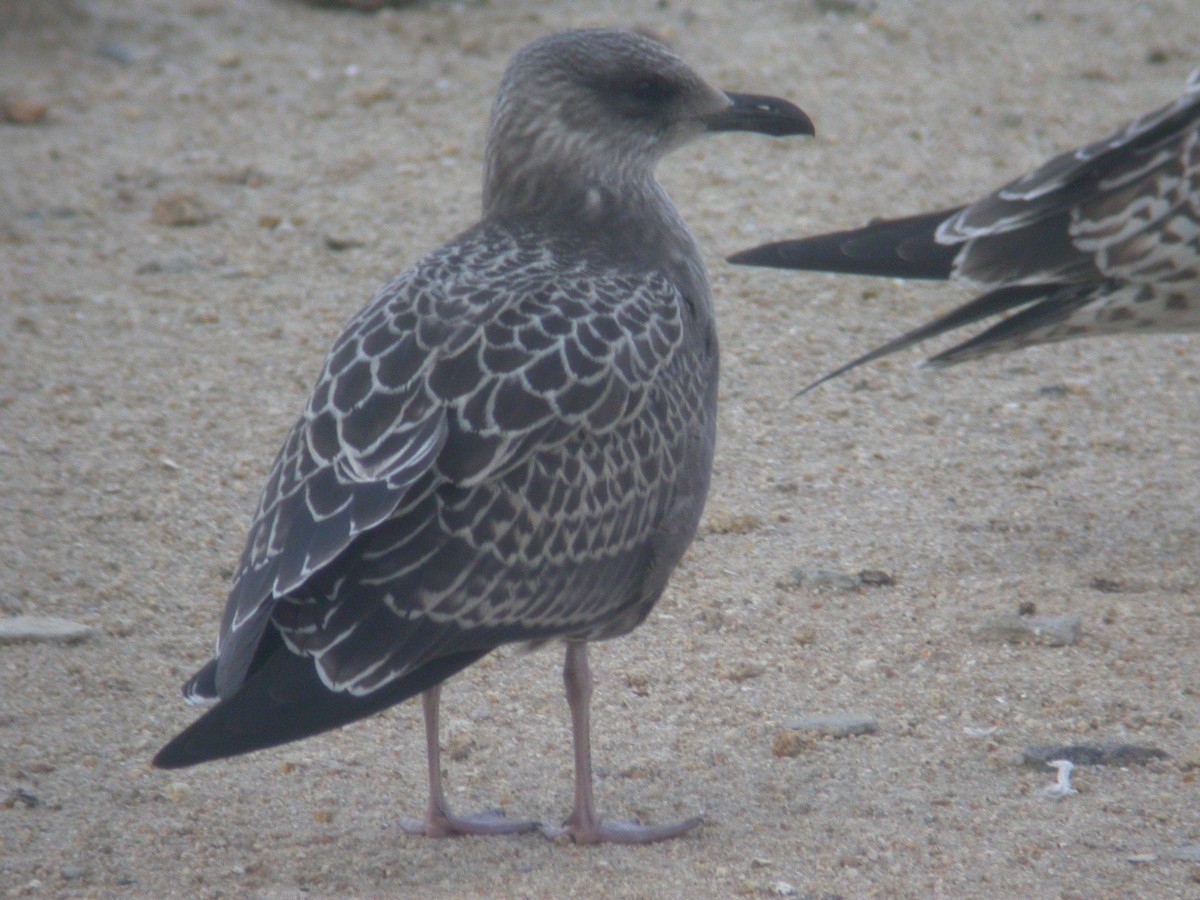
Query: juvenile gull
[[511, 442], [1099, 240]]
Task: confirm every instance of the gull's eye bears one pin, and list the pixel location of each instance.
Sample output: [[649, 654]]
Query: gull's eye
[[652, 89], [639, 94]]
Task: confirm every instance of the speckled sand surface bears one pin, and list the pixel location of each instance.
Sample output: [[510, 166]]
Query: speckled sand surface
[[148, 372]]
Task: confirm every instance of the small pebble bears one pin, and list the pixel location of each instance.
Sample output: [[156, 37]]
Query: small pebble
[[127, 54], [23, 110], [731, 523], [876, 578], [19, 797], [830, 580], [338, 243], [373, 93], [42, 629], [744, 671], [805, 634], [73, 873], [182, 208], [174, 264], [845, 7], [246, 176], [361, 5], [459, 746], [1052, 631], [838, 726], [790, 743], [825, 580], [120, 628]]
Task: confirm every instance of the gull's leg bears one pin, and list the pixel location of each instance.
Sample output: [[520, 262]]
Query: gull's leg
[[439, 821], [584, 826]]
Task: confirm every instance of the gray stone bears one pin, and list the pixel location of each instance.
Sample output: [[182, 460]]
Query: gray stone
[[43, 629], [168, 264], [1053, 631], [831, 580], [340, 242], [846, 7], [838, 726]]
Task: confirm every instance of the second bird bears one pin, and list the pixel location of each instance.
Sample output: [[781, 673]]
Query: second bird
[[1099, 240]]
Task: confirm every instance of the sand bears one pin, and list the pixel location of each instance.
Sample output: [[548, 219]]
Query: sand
[[149, 368]]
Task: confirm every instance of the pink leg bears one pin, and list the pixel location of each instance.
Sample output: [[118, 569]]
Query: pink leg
[[584, 826], [439, 821]]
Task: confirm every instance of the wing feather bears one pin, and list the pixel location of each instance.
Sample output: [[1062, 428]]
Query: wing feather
[[449, 379], [1101, 239]]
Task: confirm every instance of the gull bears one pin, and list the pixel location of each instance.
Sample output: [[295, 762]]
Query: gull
[[512, 441], [1099, 240]]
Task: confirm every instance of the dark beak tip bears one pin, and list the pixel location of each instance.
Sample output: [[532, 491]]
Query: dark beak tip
[[792, 120], [772, 116], [764, 255]]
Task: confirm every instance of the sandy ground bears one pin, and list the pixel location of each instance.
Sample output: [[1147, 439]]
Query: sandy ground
[[148, 371]]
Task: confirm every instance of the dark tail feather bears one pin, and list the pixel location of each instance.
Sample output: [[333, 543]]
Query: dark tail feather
[[1019, 329], [203, 685], [285, 700], [898, 248], [990, 304]]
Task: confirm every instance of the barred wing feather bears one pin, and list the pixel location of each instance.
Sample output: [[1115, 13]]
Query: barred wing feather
[[443, 380]]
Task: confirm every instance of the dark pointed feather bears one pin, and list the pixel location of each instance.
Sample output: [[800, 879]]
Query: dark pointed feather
[[990, 304], [899, 248], [284, 701], [1054, 307]]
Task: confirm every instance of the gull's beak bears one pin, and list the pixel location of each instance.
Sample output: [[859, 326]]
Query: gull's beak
[[765, 115]]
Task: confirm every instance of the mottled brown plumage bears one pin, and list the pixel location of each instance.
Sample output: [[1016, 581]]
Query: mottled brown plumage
[[1099, 240], [511, 442]]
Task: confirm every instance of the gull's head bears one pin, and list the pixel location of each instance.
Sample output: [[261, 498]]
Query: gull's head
[[601, 107]]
